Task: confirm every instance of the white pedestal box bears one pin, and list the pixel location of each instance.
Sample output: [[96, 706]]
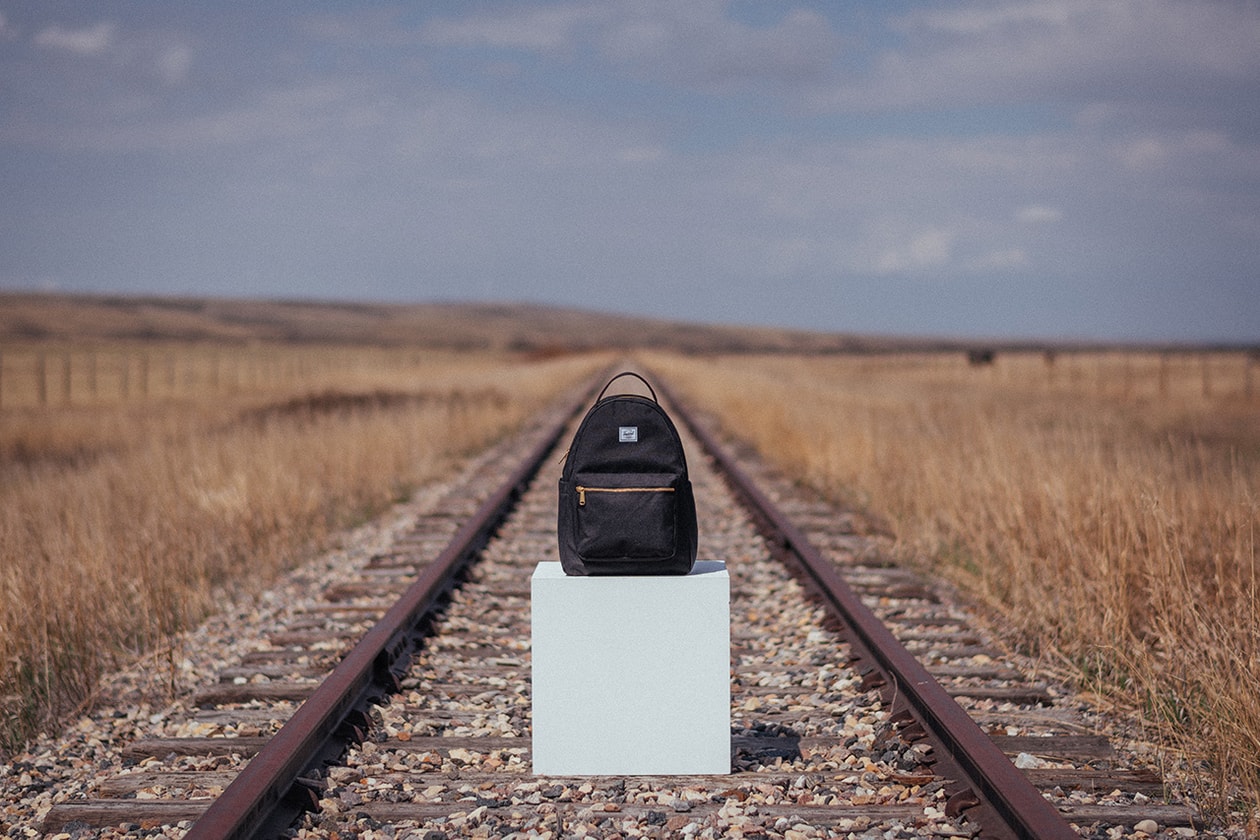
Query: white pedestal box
[[631, 675]]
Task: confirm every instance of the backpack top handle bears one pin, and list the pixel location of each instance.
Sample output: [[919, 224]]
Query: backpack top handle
[[636, 376]]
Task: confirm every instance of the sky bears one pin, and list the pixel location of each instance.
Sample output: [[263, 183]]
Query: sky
[[1001, 168]]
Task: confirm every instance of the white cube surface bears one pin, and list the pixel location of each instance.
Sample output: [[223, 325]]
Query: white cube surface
[[631, 675]]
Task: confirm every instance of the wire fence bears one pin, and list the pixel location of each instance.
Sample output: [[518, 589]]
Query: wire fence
[[65, 377], [42, 377]]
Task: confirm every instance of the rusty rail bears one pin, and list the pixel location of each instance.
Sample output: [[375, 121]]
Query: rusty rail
[[270, 793], [988, 787]]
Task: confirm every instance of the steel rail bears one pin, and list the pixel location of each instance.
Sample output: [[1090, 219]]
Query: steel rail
[[269, 794], [1008, 804]]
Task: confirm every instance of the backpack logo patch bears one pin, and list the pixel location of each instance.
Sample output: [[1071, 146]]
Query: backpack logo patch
[[628, 434]]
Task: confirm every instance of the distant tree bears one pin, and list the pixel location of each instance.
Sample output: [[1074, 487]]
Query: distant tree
[[980, 356]]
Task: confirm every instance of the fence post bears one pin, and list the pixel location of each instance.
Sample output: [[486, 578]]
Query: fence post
[[66, 374], [41, 377]]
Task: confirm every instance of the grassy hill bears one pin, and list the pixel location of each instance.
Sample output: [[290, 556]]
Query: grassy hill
[[40, 318]]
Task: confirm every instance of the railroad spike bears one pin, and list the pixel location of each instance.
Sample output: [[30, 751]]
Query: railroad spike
[[303, 795], [912, 731], [359, 718], [873, 679], [351, 733], [900, 716], [961, 801]]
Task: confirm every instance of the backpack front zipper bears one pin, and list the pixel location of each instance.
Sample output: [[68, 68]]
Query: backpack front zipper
[[582, 491]]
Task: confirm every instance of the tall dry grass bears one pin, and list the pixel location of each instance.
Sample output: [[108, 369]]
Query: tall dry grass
[[123, 524], [1106, 507]]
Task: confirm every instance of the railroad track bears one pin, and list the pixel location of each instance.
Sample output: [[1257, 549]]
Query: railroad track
[[863, 700]]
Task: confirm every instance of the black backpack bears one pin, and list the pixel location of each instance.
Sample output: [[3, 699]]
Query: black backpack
[[626, 506]]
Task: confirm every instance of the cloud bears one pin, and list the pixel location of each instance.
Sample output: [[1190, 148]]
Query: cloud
[[1005, 259], [1036, 214], [546, 29], [1066, 52], [698, 45], [694, 44], [929, 248], [531, 28], [271, 121], [126, 58], [1184, 156], [642, 154], [980, 19], [319, 112], [90, 41], [173, 61]]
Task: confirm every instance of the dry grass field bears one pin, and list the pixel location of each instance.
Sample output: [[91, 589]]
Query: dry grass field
[[1105, 506], [141, 485]]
